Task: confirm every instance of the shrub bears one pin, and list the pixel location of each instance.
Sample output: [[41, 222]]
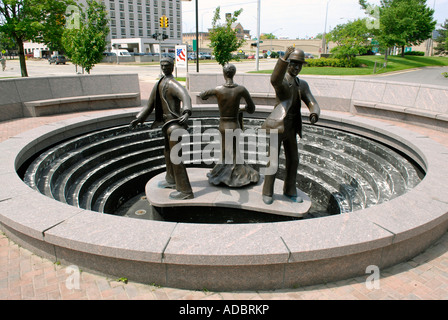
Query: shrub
[[332, 62], [414, 53]]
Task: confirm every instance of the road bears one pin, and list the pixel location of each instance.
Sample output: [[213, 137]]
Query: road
[[145, 72], [428, 75]]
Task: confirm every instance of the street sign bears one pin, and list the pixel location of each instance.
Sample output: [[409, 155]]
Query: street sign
[[181, 56]]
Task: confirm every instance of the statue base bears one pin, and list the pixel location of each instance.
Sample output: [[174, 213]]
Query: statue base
[[209, 195]]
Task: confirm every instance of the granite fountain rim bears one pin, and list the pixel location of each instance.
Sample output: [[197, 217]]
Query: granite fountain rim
[[49, 221]]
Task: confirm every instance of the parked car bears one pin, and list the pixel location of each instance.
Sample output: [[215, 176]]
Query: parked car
[[308, 56], [191, 56], [205, 56], [169, 55], [57, 59]]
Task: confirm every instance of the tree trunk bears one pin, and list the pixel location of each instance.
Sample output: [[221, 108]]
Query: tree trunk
[[22, 57], [385, 56], [402, 51]]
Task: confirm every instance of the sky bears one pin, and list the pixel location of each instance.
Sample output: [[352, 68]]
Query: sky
[[287, 18]]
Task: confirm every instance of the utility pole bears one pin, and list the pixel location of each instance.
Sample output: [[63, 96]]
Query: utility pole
[[258, 36], [197, 37]]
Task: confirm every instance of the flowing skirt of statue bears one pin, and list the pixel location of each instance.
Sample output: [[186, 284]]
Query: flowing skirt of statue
[[237, 173], [233, 175]]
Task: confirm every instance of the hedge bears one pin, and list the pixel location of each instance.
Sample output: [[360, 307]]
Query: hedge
[[332, 62], [414, 53]]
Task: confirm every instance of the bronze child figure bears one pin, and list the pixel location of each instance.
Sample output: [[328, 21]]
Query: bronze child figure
[[234, 173], [166, 98]]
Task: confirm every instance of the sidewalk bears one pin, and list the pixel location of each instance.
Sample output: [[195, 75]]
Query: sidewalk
[[23, 275]]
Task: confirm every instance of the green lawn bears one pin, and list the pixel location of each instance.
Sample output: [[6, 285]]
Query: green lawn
[[395, 63]]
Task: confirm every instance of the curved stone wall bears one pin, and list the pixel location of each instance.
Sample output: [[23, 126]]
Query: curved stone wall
[[419, 104], [226, 257]]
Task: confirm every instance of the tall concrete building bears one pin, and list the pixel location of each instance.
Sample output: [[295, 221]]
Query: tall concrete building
[[133, 23]]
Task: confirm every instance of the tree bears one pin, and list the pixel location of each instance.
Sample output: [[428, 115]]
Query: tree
[[403, 22], [442, 39], [86, 42], [32, 20], [352, 39], [6, 44], [268, 36], [223, 39]]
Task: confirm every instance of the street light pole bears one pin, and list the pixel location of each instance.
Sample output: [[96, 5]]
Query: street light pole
[[258, 36], [197, 37], [324, 43]]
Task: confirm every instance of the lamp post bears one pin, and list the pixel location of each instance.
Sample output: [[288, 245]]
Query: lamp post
[[257, 59], [197, 35], [324, 43]]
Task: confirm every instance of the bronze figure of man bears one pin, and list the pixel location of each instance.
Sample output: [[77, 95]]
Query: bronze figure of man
[[233, 173], [166, 98], [287, 119]]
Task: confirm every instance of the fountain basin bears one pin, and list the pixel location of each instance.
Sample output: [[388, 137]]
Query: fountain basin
[[229, 256]]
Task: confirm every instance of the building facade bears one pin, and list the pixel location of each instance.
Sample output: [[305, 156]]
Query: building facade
[[134, 22]]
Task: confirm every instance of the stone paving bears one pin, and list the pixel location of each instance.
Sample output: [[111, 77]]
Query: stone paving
[[25, 276]]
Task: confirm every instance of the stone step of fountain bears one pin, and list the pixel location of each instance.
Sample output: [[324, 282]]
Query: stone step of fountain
[[133, 152], [349, 152], [401, 164]]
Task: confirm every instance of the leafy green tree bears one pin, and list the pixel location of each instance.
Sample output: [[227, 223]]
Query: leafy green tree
[[442, 39], [32, 20], [86, 42], [223, 39], [6, 44], [352, 39], [403, 22], [268, 36]]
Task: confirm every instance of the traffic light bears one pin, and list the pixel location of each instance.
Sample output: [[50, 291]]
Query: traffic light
[[164, 22]]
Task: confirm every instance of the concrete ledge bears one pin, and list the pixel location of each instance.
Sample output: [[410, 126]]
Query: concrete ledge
[[79, 103], [227, 257], [425, 105], [21, 97]]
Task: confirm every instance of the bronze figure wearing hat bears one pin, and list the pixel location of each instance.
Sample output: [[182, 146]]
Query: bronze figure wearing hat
[[166, 98], [286, 118]]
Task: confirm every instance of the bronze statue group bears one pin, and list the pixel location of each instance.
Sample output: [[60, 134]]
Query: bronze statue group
[[172, 105]]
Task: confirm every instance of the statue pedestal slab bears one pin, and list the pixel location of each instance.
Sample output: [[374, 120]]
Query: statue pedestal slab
[[208, 195]]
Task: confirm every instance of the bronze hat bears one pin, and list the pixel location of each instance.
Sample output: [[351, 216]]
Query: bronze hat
[[297, 55]]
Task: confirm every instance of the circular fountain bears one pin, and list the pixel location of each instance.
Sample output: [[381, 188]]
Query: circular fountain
[[107, 170], [372, 189]]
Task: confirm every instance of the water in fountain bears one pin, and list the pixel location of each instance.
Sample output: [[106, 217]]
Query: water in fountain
[[107, 170]]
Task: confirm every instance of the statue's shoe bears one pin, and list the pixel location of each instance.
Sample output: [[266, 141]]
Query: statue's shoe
[[166, 185], [176, 195], [294, 198], [268, 199]]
